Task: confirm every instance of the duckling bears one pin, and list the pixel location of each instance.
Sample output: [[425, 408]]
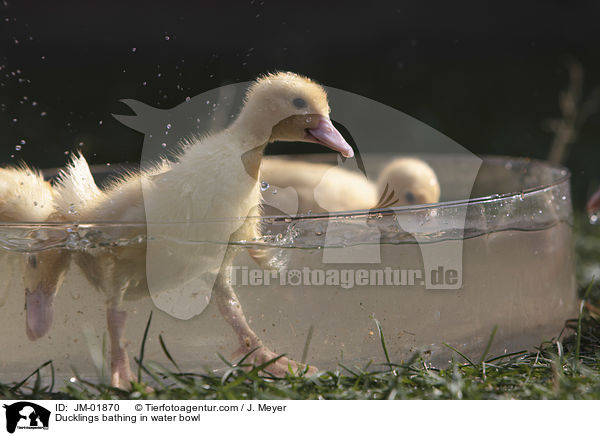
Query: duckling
[[405, 182], [26, 198], [323, 188], [340, 189], [214, 177]]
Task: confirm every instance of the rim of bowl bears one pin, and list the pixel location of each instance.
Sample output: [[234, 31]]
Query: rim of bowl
[[565, 175]]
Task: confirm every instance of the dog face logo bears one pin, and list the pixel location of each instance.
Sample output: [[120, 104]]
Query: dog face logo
[[26, 415]]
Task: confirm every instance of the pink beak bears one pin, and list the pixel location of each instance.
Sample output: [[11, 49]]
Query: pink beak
[[327, 135], [40, 312], [594, 203]]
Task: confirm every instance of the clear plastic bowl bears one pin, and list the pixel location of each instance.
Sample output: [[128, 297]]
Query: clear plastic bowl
[[516, 259]]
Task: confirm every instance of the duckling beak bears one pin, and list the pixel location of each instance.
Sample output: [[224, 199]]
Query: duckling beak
[[594, 203], [327, 135], [40, 312]]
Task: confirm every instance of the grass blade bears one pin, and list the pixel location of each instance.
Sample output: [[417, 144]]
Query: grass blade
[[166, 351], [459, 353], [309, 336], [489, 344], [385, 351], [143, 348]]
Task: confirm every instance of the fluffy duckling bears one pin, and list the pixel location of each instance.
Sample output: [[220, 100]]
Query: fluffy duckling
[[214, 177], [323, 188], [407, 181], [345, 190], [26, 198]]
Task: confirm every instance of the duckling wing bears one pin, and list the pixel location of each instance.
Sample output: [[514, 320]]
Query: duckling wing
[[192, 211]]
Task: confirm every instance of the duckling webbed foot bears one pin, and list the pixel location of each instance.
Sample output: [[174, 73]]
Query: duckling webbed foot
[[278, 368], [232, 312]]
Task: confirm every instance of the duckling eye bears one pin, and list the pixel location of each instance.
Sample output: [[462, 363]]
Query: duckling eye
[[299, 102], [410, 197]]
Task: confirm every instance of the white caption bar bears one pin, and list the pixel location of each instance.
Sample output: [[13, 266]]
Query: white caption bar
[[290, 417]]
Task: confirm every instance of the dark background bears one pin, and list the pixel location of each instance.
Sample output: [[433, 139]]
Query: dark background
[[487, 76]]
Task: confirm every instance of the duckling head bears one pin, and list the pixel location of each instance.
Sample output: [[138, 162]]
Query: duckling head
[[407, 181], [290, 107], [43, 276]]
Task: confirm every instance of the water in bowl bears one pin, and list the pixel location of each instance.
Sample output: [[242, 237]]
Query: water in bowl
[[517, 277]]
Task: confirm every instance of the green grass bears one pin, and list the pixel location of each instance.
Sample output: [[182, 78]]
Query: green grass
[[566, 368]]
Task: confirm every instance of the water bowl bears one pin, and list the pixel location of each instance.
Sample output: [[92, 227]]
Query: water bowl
[[446, 273]]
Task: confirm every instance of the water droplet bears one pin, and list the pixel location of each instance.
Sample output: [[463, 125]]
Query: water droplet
[[164, 144], [34, 103], [22, 142], [100, 122], [14, 120], [167, 37], [134, 49], [264, 186], [43, 114], [18, 147], [187, 99], [168, 126], [594, 219], [72, 379]]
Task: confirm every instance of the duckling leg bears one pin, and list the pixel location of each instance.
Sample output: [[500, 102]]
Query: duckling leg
[[121, 375], [231, 309]]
